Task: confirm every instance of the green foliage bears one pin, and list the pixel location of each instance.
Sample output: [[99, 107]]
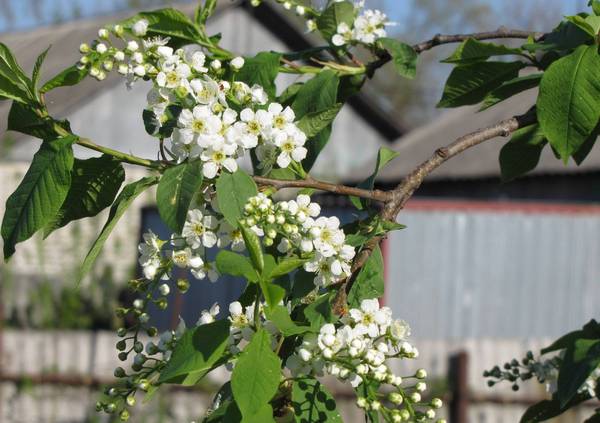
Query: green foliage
[[39, 196], [123, 201], [236, 265], [564, 37], [261, 69], [313, 403], [168, 22], [68, 77], [317, 95], [200, 350], [315, 122], [255, 378], [472, 51], [471, 83], [522, 153], [286, 266], [94, 184], [14, 84], [332, 16], [175, 192], [254, 248], [37, 68], [580, 360], [548, 409], [320, 311], [510, 88], [589, 24], [404, 57], [568, 106], [233, 191], [280, 316], [370, 281], [24, 118], [204, 11], [384, 156]]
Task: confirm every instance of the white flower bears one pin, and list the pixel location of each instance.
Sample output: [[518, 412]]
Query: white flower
[[237, 63], [257, 123], [101, 48], [215, 64], [369, 26], [140, 27], [206, 270], [343, 35], [218, 156], [132, 46], [186, 258], [258, 95], [327, 237], [198, 59], [399, 330], [198, 229], [198, 126], [206, 91], [208, 316], [291, 143], [164, 289], [174, 76], [281, 117], [369, 317], [150, 259]]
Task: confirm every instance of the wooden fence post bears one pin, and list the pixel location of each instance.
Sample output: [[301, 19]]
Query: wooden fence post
[[458, 380]]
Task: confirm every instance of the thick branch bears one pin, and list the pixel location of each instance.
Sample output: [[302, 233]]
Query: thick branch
[[405, 190], [309, 182]]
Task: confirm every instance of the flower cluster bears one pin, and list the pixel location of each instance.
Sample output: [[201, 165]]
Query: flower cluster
[[367, 28], [300, 230], [194, 107], [358, 352]]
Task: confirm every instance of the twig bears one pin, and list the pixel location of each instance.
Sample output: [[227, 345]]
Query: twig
[[405, 190], [309, 182]]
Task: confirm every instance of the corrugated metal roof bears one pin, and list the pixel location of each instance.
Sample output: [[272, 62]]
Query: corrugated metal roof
[[470, 274]]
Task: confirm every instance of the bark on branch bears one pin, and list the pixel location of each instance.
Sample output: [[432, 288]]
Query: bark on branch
[[405, 190], [309, 182]]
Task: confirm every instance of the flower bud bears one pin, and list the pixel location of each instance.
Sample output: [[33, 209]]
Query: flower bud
[[421, 387], [268, 242], [107, 65], [121, 345], [237, 63], [101, 48], [405, 414], [121, 332], [123, 356], [430, 413], [215, 64], [396, 398], [111, 408], [103, 33], [415, 397], [164, 289], [421, 374], [123, 69], [144, 317], [130, 400], [183, 285], [138, 347], [118, 29], [436, 403], [152, 331], [143, 385], [362, 402], [119, 55], [124, 416], [84, 48], [300, 10], [119, 372], [375, 405]]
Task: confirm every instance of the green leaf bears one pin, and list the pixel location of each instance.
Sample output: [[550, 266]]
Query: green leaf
[[254, 248], [510, 88], [197, 353], [591, 330], [40, 194], [68, 77], [289, 94], [175, 192], [370, 281], [320, 311], [315, 122], [286, 266], [522, 153], [37, 68], [261, 69], [313, 403], [23, 118], [123, 201], [568, 105], [580, 155], [236, 265], [471, 50], [547, 409], [280, 316], [233, 192], [256, 375], [469, 84], [580, 360], [317, 94], [384, 156], [565, 36], [94, 184], [596, 7], [334, 15], [204, 12], [272, 292], [14, 84], [404, 57], [170, 23], [589, 24]]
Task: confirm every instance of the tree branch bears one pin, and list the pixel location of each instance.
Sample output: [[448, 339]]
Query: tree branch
[[440, 39], [405, 190], [309, 182]]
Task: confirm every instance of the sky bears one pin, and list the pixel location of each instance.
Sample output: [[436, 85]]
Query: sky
[[26, 14]]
